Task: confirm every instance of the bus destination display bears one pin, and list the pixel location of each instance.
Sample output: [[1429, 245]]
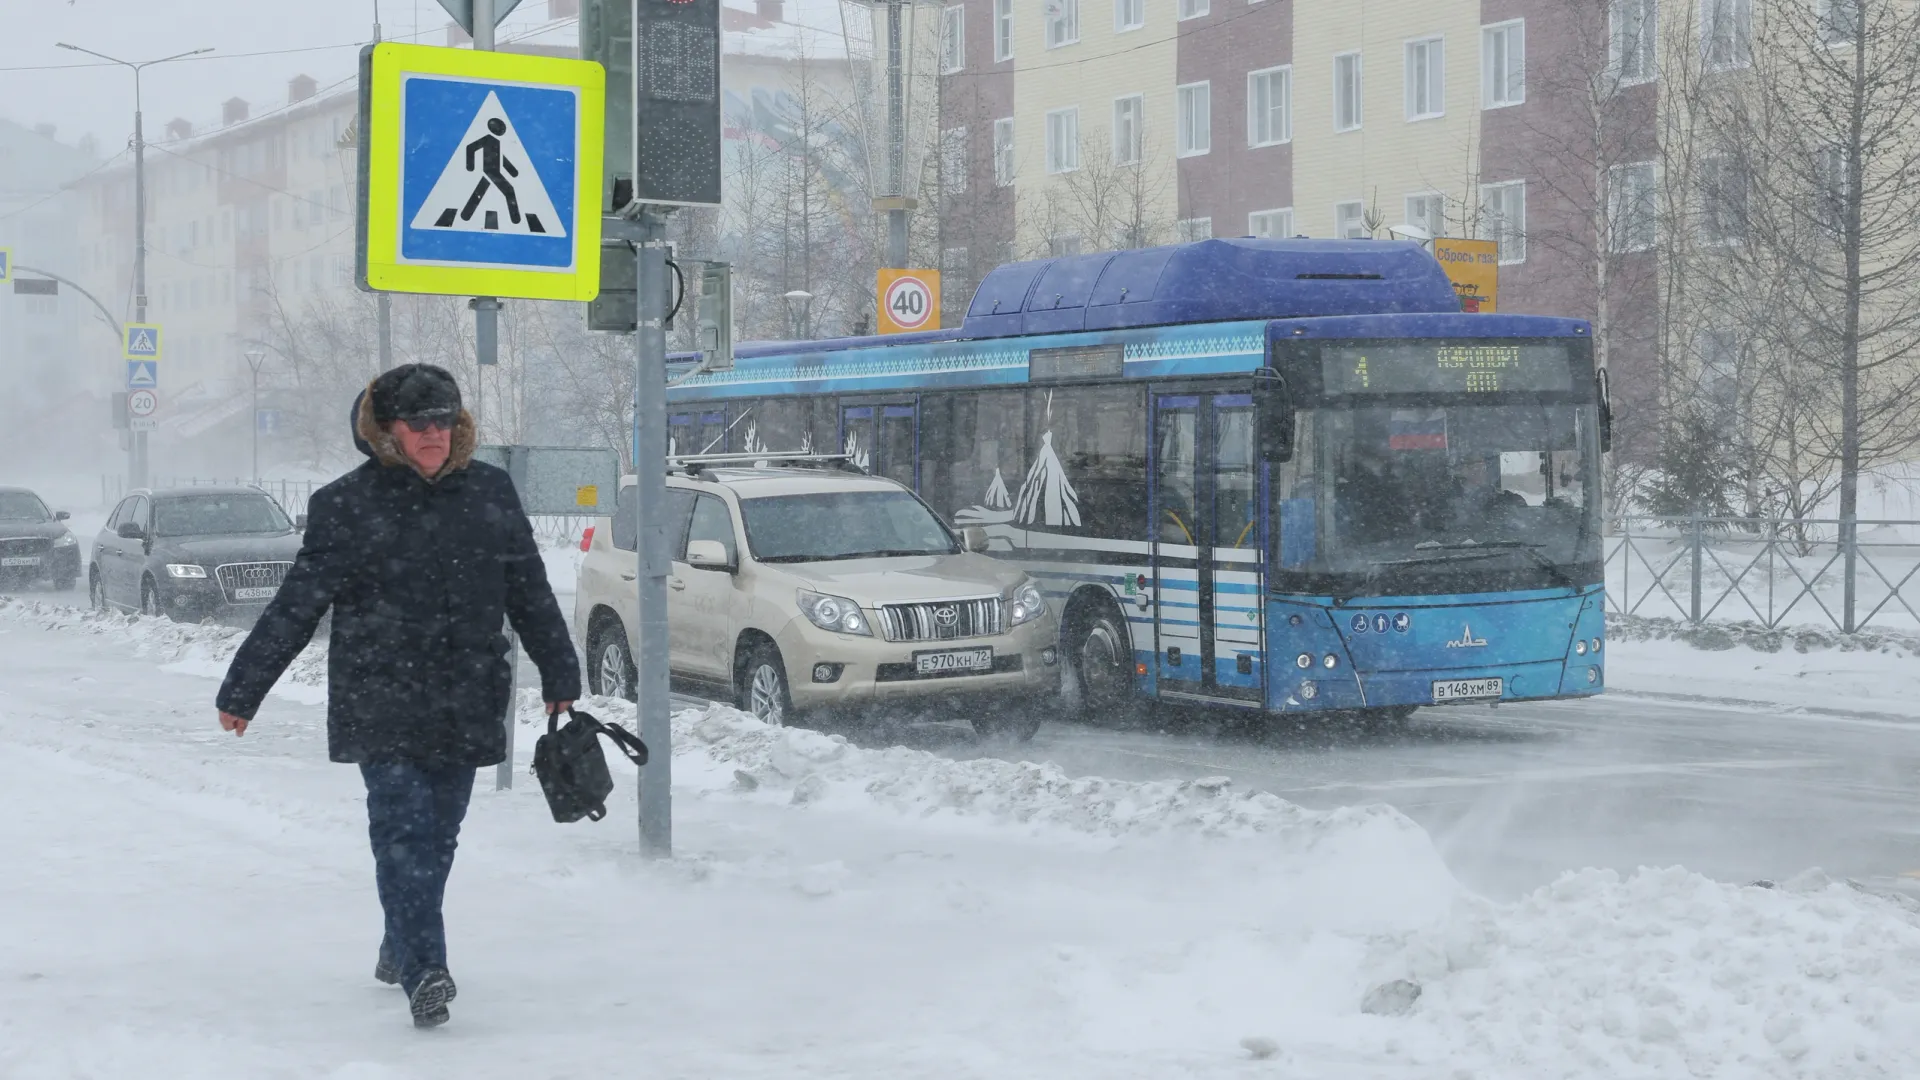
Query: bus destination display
[[1447, 367]]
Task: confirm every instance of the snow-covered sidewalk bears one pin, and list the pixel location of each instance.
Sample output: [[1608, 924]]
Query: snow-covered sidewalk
[[1876, 672], [181, 903]]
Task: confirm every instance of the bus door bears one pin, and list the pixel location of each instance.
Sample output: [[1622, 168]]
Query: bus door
[[884, 439], [697, 431], [1209, 621]]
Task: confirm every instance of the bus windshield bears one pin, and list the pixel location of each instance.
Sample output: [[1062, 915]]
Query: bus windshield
[[1385, 498]]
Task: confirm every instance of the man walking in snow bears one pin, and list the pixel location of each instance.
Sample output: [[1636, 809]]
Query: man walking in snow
[[421, 553]]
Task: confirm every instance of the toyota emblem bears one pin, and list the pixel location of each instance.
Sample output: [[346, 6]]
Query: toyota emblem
[[946, 616]]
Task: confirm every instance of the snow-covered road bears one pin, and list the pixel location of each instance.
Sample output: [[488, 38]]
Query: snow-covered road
[[180, 903]]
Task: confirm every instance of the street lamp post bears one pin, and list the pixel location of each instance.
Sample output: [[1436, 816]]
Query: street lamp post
[[256, 357], [140, 466], [798, 301]]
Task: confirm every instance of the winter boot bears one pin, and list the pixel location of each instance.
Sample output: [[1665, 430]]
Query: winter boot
[[428, 1002], [385, 970]]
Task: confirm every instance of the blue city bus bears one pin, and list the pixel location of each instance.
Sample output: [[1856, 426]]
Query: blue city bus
[[1287, 475]]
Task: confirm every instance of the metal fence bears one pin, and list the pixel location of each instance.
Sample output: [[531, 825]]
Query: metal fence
[[1773, 572]]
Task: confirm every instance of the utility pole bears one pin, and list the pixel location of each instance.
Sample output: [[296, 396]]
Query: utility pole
[[383, 301], [896, 139], [139, 466], [256, 357], [653, 697]]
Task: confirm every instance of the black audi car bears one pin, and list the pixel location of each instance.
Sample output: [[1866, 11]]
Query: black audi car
[[35, 545], [193, 552]]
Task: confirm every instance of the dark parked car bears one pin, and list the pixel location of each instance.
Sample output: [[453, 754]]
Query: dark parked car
[[34, 542], [193, 552]]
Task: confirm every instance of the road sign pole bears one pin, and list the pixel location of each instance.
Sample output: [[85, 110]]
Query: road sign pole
[[896, 137], [137, 465], [650, 497]]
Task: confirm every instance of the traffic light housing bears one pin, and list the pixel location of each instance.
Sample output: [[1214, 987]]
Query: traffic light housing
[[663, 99]]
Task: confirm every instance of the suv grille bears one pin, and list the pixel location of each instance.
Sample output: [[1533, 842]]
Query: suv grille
[[251, 575], [25, 546], [941, 620]]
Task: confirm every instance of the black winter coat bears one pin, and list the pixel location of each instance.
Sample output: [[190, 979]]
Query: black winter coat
[[419, 575]]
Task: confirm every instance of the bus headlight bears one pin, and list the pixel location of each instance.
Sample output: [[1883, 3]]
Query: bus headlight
[[1303, 661], [1593, 675], [1579, 647], [1309, 690], [1329, 661], [1596, 644]]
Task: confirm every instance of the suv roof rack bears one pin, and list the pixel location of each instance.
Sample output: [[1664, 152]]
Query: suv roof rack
[[694, 464]]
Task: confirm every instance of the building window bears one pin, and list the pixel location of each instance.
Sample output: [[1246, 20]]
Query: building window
[[953, 160], [1063, 140], [1193, 119], [1193, 9], [1132, 234], [1726, 33], [1633, 33], [1129, 15], [1723, 201], [1273, 224], [1840, 20], [1427, 210], [1003, 151], [1350, 221], [1426, 78], [1063, 22], [1504, 208], [1346, 92], [1270, 106], [1188, 230], [1129, 143], [1002, 30], [1632, 212], [953, 39], [1503, 64], [1835, 184], [1063, 244]]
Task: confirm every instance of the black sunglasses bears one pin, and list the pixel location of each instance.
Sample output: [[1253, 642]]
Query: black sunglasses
[[419, 424]]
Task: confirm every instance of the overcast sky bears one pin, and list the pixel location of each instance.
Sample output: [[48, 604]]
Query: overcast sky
[[99, 99]]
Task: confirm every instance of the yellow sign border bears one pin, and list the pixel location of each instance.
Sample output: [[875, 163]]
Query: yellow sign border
[[126, 341], [883, 280], [382, 269], [6, 265]]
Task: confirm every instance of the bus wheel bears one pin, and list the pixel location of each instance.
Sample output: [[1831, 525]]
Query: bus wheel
[[1102, 656], [1387, 720]]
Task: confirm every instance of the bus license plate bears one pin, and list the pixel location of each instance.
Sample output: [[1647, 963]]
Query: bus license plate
[[1466, 689], [940, 663], [265, 593], [20, 560]]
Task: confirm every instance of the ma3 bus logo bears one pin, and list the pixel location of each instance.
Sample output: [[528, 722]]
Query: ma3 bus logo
[[1466, 640]]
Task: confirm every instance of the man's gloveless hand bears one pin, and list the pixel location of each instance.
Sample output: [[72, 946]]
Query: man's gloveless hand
[[235, 724]]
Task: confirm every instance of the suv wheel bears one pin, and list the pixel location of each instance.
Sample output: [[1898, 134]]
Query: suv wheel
[[763, 687], [1014, 720], [149, 599], [611, 671]]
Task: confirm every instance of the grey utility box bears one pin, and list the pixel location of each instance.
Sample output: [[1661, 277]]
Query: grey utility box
[[559, 480]]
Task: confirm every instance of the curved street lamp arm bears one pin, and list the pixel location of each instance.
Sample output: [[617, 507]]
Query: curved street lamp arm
[[105, 315]]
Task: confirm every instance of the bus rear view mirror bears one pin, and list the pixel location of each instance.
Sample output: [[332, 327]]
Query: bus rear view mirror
[[1273, 416]]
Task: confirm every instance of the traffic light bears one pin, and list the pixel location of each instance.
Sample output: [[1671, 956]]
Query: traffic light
[[663, 98]]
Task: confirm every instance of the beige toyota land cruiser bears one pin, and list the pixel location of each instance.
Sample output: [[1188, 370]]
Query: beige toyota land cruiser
[[800, 585]]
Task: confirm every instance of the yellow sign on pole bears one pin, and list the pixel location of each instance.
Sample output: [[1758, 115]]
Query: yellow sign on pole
[[909, 300], [1474, 268], [480, 173]]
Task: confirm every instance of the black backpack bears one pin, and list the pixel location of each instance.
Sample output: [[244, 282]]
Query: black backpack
[[573, 769]]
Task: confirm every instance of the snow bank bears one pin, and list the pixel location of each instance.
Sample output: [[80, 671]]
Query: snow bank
[[203, 649]]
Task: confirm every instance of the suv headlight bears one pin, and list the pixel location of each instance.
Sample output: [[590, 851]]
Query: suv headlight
[[1029, 603], [66, 540], [175, 569], [836, 613]]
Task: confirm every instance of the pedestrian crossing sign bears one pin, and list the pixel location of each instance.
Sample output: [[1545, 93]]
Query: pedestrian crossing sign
[[480, 173], [142, 341]]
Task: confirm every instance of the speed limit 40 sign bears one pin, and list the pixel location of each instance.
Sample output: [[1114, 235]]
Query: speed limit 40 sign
[[909, 300]]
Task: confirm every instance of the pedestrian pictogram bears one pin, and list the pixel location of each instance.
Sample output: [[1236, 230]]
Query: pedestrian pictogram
[[481, 173], [143, 374], [488, 185], [142, 341], [909, 300]]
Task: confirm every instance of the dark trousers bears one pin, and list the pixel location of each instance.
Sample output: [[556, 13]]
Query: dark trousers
[[413, 818]]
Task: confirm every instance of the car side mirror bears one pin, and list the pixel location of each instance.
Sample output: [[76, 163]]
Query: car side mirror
[[131, 530], [708, 555], [300, 522], [61, 515], [973, 538], [1273, 416]]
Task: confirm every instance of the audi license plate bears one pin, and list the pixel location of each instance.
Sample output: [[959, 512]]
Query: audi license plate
[[950, 660], [20, 560], [265, 593], [1466, 689]]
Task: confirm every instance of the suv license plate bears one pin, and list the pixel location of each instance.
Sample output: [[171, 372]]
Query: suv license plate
[[20, 560], [1467, 689], [255, 594], [939, 663]]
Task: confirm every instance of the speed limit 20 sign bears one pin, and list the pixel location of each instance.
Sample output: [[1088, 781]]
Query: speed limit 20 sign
[[909, 300]]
